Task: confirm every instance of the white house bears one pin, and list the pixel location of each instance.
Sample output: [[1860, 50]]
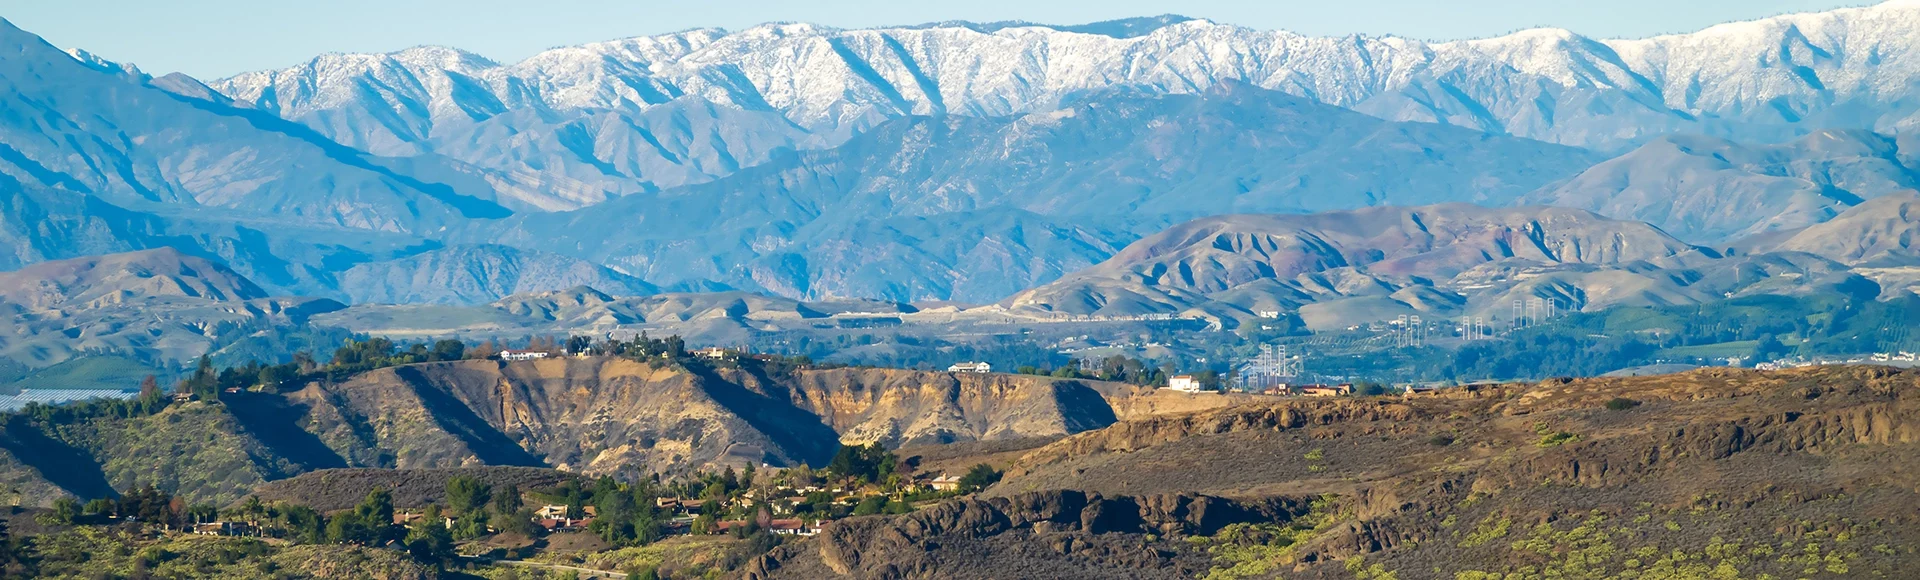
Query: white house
[[946, 483], [522, 354], [1184, 384], [970, 367]]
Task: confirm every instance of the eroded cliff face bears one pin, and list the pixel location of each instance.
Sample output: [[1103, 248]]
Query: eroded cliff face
[[586, 415], [896, 408], [1741, 452], [601, 415]]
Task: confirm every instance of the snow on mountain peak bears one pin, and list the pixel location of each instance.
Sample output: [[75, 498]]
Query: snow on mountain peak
[[1549, 84]]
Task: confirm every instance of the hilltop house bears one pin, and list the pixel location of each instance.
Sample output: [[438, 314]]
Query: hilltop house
[[970, 367], [1184, 384], [513, 355]]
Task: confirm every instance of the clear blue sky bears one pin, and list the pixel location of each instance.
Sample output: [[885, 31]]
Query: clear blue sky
[[216, 38]]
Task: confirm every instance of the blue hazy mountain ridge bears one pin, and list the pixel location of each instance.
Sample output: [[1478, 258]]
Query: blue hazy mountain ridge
[[1339, 268], [1709, 190], [915, 207], [39, 224], [110, 134], [478, 274]]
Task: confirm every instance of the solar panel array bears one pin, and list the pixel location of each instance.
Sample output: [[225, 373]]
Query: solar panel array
[[59, 396]]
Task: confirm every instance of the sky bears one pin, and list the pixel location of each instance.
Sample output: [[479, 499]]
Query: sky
[[217, 38]]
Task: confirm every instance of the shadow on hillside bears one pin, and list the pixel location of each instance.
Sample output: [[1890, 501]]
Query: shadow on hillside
[[274, 422], [61, 464], [798, 431], [1081, 407], [458, 420]]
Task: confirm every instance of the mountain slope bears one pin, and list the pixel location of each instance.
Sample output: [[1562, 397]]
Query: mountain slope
[[160, 307], [1428, 259], [111, 279], [1486, 481], [90, 129], [1711, 190], [1881, 230], [1762, 80], [476, 275], [975, 209], [596, 416]]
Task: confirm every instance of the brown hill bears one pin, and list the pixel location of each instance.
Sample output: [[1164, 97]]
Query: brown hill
[[337, 489], [1881, 230], [1711, 190], [98, 281], [604, 414], [1421, 259], [158, 306], [595, 416], [1792, 473]]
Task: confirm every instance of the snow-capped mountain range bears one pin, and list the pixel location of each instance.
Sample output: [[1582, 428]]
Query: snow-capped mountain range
[[1763, 78], [945, 161]]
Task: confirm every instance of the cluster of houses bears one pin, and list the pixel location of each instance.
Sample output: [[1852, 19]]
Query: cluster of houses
[[1901, 358], [1190, 384]]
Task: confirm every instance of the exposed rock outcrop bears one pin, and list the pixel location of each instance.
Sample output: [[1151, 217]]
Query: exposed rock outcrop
[[1087, 535]]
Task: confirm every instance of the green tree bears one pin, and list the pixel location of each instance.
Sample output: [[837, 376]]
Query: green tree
[[638, 571], [377, 508], [428, 539], [350, 528], [869, 462], [202, 513], [979, 477], [507, 500], [65, 510], [449, 349], [870, 505], [466, 494]]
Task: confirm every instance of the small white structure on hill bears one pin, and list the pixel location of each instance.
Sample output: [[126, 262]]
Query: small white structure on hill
[[522, 354], [970, 367], [1184, 384]]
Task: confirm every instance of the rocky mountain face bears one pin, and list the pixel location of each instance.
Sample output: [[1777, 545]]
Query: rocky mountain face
[[1709, 190], [951, 161], [657, 418], [975, 209], [1761, 80], [1057, 534], [896, 409], [158, 306], [593, 416]]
